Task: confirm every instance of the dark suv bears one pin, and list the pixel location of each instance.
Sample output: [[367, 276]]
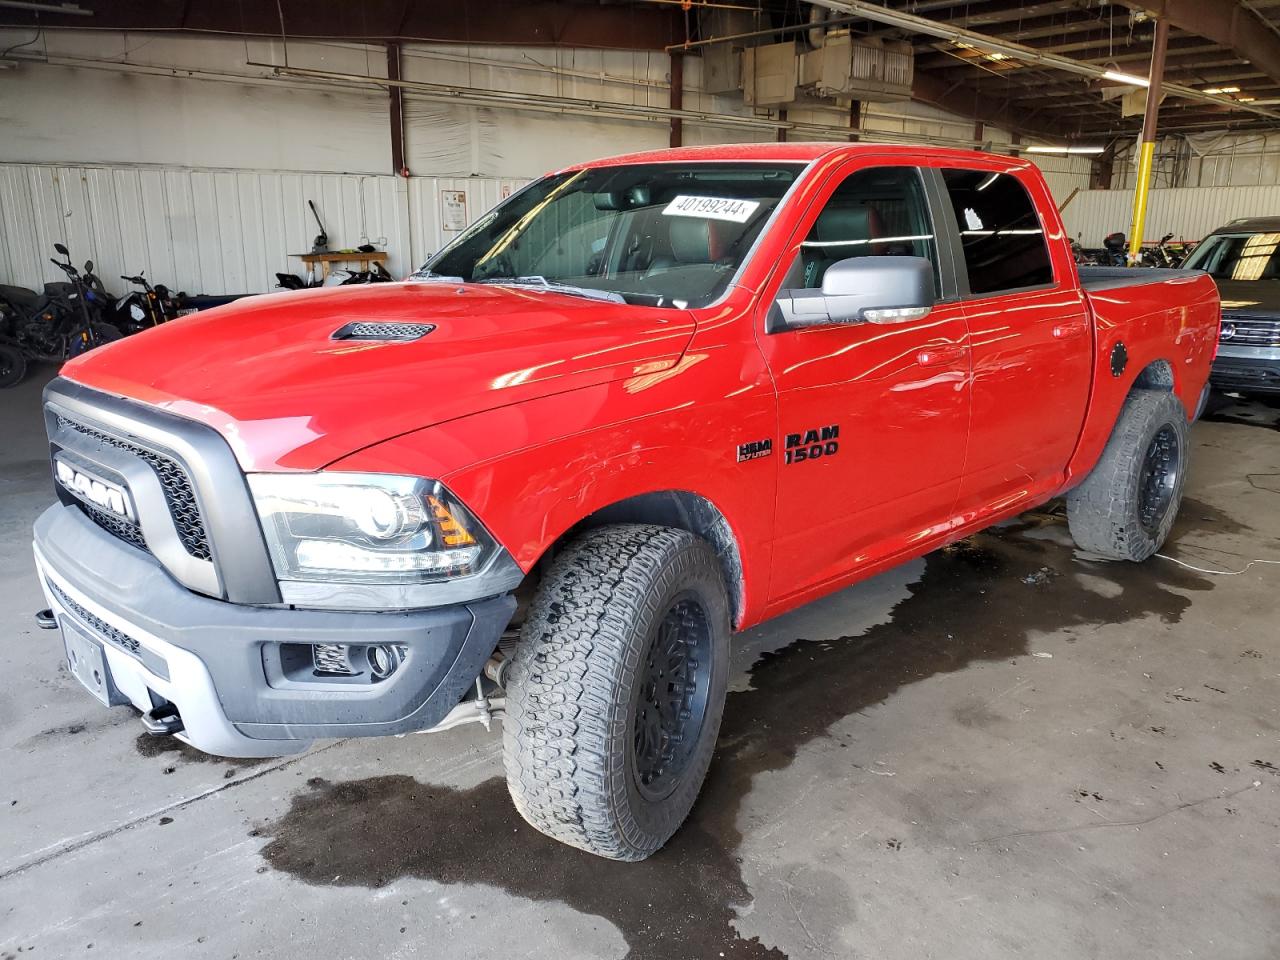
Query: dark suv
[[1244, 258]]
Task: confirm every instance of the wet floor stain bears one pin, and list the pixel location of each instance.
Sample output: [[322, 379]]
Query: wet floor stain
[[1196, 516], [173, 749], [1253, 415], [976, 601]]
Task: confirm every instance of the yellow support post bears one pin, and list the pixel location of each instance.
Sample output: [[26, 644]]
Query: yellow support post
[[1147, 148]]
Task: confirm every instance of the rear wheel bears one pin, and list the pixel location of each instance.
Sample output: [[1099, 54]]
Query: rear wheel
[[616, 689], [13, 365], [1126, 506]]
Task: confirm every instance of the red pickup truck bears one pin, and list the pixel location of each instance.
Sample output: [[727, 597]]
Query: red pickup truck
[[643, 403]]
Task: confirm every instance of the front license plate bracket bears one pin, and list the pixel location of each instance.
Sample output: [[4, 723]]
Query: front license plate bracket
[[88, 664]]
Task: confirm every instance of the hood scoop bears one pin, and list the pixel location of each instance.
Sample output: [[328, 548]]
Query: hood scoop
[[396, 332]]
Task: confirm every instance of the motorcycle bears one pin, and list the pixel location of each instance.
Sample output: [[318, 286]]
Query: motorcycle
[[63, 322], [140, 309], [1166, 254], [1113, 245]]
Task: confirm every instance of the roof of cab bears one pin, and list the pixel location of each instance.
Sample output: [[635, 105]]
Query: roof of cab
[[1251, 225], [778, 152]]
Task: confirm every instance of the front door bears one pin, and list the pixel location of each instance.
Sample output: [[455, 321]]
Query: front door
[[872, 418]]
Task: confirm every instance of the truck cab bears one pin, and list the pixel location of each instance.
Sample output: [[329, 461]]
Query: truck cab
[[644, 403]]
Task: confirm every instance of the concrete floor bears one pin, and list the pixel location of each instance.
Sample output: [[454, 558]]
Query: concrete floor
[[1003, 750]]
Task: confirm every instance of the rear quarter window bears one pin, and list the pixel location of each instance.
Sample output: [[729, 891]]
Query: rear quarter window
[[1000, 231]]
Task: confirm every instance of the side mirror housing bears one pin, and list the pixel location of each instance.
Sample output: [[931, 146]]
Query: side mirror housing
[[88, 266], [862, 290], [62, 249]]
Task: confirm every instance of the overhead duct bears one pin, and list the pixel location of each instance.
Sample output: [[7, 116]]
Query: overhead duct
[[770, 74], [858, 68]]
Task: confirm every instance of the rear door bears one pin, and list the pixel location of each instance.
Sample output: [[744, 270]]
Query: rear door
[[1030, 334], [872, 418]]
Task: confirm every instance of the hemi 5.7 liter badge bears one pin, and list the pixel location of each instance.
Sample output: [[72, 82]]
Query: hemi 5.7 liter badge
[[754, 450]]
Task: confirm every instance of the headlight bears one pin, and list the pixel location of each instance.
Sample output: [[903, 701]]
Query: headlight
[[368, 528]]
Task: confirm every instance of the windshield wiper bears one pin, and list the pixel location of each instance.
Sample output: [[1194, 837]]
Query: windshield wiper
[[430, 276], [542, 283]]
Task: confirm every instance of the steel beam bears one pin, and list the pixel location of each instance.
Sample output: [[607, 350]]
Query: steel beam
[[915, 24], [1147, 150], [395, 96], [528, 23], [677, 98], [1222, 21]]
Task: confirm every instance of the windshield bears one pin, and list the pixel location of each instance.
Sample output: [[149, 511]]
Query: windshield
[[1238, 256], [663, 234]]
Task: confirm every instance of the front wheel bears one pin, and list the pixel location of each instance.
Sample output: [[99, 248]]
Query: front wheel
[[616, 689], [1126, 506], [94, 335], [13, 364]]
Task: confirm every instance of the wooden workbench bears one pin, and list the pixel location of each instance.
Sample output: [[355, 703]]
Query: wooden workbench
[[326, 260]]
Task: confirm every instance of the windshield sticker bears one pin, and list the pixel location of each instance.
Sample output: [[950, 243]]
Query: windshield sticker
[[712, 208]]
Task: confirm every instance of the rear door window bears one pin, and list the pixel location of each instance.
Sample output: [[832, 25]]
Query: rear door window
[[1000, 232]]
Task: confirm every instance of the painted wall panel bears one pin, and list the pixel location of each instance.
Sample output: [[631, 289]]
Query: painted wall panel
[[203, 231], [1187, 212]]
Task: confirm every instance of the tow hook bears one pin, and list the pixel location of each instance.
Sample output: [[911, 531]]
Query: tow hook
[[45, 620], [162, 720]]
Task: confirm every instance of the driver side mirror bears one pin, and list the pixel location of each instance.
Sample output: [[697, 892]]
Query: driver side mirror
[[62, 249], [862, 290], [88, 266]]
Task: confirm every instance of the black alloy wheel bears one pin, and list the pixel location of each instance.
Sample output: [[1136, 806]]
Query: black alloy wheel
[[672, 702], [1158, 479]]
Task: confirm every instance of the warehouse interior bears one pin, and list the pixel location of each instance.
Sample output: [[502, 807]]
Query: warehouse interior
[[1006, 748]]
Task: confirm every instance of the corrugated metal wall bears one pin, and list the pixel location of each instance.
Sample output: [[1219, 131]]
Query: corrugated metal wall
[[215, 231], [1187, 212]]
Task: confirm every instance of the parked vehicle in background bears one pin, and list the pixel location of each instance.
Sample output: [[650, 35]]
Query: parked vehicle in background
[[1243, 258], [63, 322], [1163, 254], [141, 309], [643, 403]]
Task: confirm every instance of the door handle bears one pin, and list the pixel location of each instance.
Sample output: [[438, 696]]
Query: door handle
[[937, 356], [1065, 331]]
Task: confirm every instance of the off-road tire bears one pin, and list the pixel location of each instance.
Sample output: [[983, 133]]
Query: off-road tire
[[1104, 513], [576, 678], [13, 364]]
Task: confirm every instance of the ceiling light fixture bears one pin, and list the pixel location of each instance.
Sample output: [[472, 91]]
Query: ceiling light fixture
[[1050, 149], [1126, 78]]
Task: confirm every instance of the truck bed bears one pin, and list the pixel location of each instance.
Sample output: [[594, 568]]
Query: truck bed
[[1109, 278]]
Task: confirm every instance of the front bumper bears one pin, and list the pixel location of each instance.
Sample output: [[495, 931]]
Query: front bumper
[[1253, 369], [232, 670]]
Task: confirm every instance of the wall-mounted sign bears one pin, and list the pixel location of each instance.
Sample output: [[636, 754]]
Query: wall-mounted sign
[[453, 209]]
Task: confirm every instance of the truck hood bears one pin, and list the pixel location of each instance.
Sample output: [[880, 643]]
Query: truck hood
[[267, 373], [1250, 296]]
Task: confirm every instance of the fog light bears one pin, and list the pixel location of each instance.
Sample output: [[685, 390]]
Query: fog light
[[333, 658], [384, 660]]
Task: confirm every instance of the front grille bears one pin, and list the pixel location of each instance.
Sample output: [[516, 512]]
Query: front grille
[[178, 492], [1250, 331], [126, 530], [105, 631], [96, 623]]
